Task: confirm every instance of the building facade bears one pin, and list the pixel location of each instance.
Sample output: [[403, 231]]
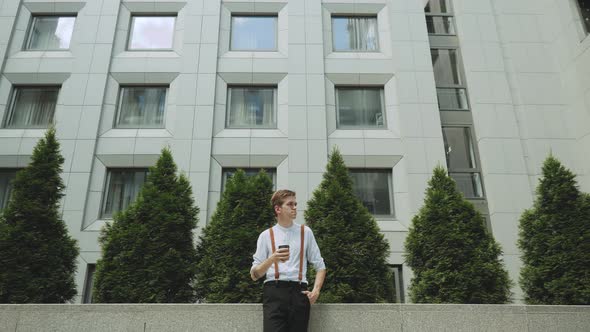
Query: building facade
[[486, 88]]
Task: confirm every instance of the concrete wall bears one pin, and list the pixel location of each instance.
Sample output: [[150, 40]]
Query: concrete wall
[[332, 317]]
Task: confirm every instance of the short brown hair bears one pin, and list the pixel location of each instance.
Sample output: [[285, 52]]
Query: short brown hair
[[278, 198]]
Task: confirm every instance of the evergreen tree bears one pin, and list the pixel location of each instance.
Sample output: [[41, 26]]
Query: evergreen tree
[[453, 256], [148, 253], [226, 244], [555, 240], [354, 250], [37, 256]]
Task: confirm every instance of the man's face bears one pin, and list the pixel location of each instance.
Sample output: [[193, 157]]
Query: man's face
[[288, 209]]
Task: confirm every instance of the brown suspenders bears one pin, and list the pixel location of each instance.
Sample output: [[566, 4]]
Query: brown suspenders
[[301, 250]]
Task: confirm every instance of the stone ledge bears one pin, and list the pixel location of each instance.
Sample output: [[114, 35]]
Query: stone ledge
[[324, 317]]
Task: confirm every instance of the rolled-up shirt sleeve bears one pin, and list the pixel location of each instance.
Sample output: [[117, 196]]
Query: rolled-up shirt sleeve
[[313, 253], [261, 253]]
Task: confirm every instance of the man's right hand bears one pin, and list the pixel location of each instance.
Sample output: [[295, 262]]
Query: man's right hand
[[280, 255]]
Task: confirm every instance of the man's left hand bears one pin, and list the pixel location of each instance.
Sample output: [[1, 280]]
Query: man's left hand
[[312, 296]]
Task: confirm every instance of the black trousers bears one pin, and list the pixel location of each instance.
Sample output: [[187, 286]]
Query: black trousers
[[285, 308]]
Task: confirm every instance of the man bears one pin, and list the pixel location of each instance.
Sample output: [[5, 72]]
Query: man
[[286, 300]]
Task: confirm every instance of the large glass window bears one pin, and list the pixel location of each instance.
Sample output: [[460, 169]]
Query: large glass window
[[50, 33], [450, 87], [253, 33], [6, 178], [355, 34], [584, 6], [374, 189], [228, 172], [360, 107], [445, 64], [251, 107], [439, 18], [122, 188], [32, 107], [151, 33], [461, 161], [141, 107]]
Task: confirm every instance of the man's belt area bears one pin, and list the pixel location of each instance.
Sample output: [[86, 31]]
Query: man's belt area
[[285, 284]]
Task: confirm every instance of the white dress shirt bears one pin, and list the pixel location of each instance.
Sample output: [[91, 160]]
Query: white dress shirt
[[288, 270]]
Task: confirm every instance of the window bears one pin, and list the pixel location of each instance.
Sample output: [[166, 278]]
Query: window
[[439, 18], [151, 33], [373, 188], [50, 33], [360, 107], [141, 107], [355, 34], [122, 187], [398, 283], [228, 172], [251, 107], [461, 161], [450, 87], [6, 178], [253, 33], [584, 6], [89, 283], [32, 107]]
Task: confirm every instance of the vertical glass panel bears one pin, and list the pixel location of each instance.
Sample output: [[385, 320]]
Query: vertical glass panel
[[458, 148], [452, 99], [123, 186], [32, 107], [360, 107], [469, 184], [50, 33], [251, 107], [355, 34], [398, 280], [438, 7], [6, 178], [89, 284], [585, 13], [445, 65], [151, 32], [440, 25], [373, 188], [257, 33], [142, 107], [229, 172]]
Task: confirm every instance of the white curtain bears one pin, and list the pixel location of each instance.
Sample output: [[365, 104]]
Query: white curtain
[[362, 33], [33, 108], [251, 107], [124, 186], [142, 107], [360, 107]]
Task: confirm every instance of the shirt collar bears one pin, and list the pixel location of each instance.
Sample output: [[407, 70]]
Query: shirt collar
[[286, 229]]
